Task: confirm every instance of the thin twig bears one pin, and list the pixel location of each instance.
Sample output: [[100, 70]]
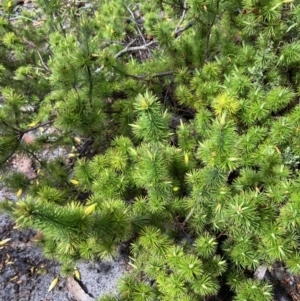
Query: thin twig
[[181, 30], [130, 43], [138, 29], [188, 216], [128, 49], [36, 127], [209, 33], [127, 46], [12, 128], [150, 76], [30, 43], [135, 48], [167, 92], [222, 233], [45, 66], [137, 26], [13, 152], [182, 16], [44, 165], [22, 17]]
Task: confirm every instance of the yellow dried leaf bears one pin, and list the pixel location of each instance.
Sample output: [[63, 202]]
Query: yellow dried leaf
[[32, 124], [40, 172], [218, 208], [186, 158], [72, 155], [133, 265], [74, 182], [19, 193], [90, 209], [77, 274], [4, 241], [223, 119], [53, 284], [77, 140]]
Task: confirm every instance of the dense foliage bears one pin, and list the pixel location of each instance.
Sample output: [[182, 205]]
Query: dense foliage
[[182, 121]]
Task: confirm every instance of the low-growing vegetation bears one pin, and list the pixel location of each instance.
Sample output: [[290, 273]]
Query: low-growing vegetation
[[182, 123]]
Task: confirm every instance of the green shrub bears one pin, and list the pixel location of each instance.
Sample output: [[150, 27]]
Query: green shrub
[[182, 120]]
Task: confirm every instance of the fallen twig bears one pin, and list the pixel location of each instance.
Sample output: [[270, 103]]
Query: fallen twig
[[128, 49], [135, 48], [182, 17], [137, 26]]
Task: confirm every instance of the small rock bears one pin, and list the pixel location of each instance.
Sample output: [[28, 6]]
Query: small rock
[[260, 272], [75, 289]]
